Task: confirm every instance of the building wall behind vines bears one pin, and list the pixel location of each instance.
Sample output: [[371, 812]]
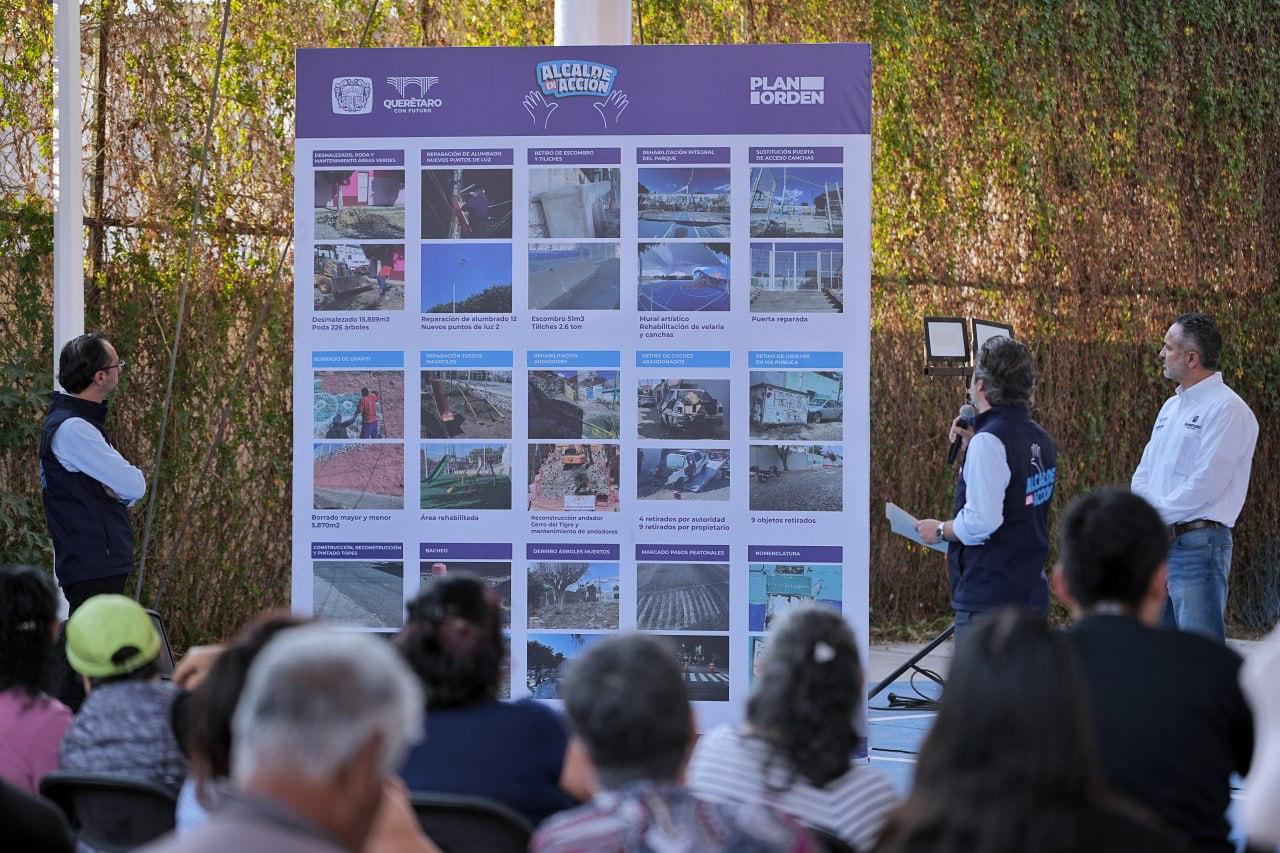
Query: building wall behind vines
[[1083, 170]]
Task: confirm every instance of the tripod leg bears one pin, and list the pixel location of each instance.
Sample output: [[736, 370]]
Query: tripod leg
[[911, 664]]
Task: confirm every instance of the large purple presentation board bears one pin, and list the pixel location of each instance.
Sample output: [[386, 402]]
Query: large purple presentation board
[[592, 324]]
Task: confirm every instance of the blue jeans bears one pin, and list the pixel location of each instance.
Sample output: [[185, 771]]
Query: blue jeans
[[1199, 562]]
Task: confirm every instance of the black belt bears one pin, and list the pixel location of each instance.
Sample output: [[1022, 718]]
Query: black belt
[[1198, 524]]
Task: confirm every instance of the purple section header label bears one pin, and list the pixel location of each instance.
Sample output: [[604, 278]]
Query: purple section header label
[[563, 156], [570, 551], [718, 553], [464, 551], [796, 553], [648, 90], [659, 156], [357, 158], [796, 154], [357, 551], [463, 157]]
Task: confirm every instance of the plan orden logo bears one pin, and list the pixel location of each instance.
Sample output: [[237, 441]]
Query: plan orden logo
[[352, 95], [788, 90], [405, 87], [567, 78]]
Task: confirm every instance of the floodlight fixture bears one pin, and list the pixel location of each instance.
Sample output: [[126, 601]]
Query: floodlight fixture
[[984, 330], [946, 340]]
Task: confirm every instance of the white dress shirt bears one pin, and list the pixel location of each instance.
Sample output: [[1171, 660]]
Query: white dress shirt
[[986, 476], [1196, 464], [79, 447]]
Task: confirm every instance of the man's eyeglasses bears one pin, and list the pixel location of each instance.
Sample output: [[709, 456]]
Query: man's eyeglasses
[[118, 364]]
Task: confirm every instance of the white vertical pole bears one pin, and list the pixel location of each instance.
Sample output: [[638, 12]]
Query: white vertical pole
[[593, 22], [68, 178]]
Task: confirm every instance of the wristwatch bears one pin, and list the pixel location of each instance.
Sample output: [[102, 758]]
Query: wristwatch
[[942, 530]]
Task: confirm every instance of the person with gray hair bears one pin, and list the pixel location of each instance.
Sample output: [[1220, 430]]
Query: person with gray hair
[[325, 718], [627, 703], [998, 538]]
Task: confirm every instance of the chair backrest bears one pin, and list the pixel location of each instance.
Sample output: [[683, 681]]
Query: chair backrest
[[829, 841], [461, 824], [164, 661], [111, 813]]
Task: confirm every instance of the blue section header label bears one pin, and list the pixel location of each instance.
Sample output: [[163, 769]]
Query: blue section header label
[[790, 358], [355, 358], [573, 358], [464, 358], [685, 358]]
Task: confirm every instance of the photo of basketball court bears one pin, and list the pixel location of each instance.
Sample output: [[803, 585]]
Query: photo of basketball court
[[683, 277], [797, 202], [683, 202]]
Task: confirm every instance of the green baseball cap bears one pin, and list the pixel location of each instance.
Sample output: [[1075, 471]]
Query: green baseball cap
[[102, 628]]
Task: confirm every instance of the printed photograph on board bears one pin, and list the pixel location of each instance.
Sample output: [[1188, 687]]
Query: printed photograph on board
[[465, 475], [359, 204], [358, 476], [682, 473], [573, 595], [466, 204], [573, 478], [368, 593], [683, 201], [679, 407], [682, 596], [773, 588], [361, 404], [466, 278], [358, 277], [797, 405], [573, 404], [801, 278], [704, 659], [574, 203], [548, 657], [466, 403], [803, 201], [683, 277], [574, 277], [496, 575], [796, 477]]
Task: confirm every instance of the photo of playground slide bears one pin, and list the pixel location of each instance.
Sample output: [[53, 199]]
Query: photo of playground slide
[[337, 395], [574, 276], [682, 596], [774, 588], [466, 404], [465, 475], [358, 476], [360, 204], [367, 593], [682, 473], [495, 575], [574, 203], [466, 204], [573, 478]]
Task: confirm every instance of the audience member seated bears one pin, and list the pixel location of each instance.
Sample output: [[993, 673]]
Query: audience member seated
[[1170, 719], [32, 722], [1010, 765], [213, 705], [126, 725], [1260, 808], [517, 753], [31, 823], [796, 751], [324, 718], [626, 700]]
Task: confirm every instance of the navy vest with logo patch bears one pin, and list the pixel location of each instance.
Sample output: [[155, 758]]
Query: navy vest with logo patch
[[1008, 569], [91, 531]]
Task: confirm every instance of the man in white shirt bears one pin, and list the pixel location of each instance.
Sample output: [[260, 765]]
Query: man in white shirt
[[1195, 472]]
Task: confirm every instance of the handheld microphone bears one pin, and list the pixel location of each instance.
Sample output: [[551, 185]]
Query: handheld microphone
[[967, 414]]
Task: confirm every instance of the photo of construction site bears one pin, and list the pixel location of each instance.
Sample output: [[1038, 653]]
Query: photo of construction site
[[466, 404], [683, 202], [359, 404], [466, 278], [774, 588], [803, 405], [573, 404], [704, 658], [574, 595], [805, 201], [466, 204], [547, 658], [797, 278], [465, 475], [359, 204], [495, 575], [574, 203], [682, 596], [796, 477], [358, 277], [683, 276], [367, 593], [675, 407], [574, 276], [573, 478], [358, 476], [682, 473]]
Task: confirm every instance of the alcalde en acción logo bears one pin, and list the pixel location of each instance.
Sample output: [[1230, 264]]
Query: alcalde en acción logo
[[569, 77]]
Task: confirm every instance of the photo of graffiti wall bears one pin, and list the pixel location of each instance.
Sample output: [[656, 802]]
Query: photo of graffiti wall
[[574, 595], [359, 204], [797, 405], [465, 475], [358, 476], [363, 404], [573, 478], [774, 588], [682, 596], [368, 593], [574, 404], [466, 404]]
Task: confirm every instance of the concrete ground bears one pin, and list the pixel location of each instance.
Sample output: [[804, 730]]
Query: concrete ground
[[810, 490], [359, 593], [787, 301]]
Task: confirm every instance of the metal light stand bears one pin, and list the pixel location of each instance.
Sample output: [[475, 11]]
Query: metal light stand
[[914, 663]]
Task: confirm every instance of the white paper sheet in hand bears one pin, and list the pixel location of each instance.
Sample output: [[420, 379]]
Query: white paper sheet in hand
[[904, 524]]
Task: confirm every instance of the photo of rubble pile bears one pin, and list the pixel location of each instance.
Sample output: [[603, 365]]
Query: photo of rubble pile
[[573, 478], [574, 595], [361, 204]]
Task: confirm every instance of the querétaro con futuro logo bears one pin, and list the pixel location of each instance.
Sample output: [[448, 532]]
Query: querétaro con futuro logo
[[407, 87]]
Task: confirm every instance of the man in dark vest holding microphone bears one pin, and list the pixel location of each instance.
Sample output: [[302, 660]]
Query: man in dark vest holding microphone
[[999, 536], [87, 485]]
